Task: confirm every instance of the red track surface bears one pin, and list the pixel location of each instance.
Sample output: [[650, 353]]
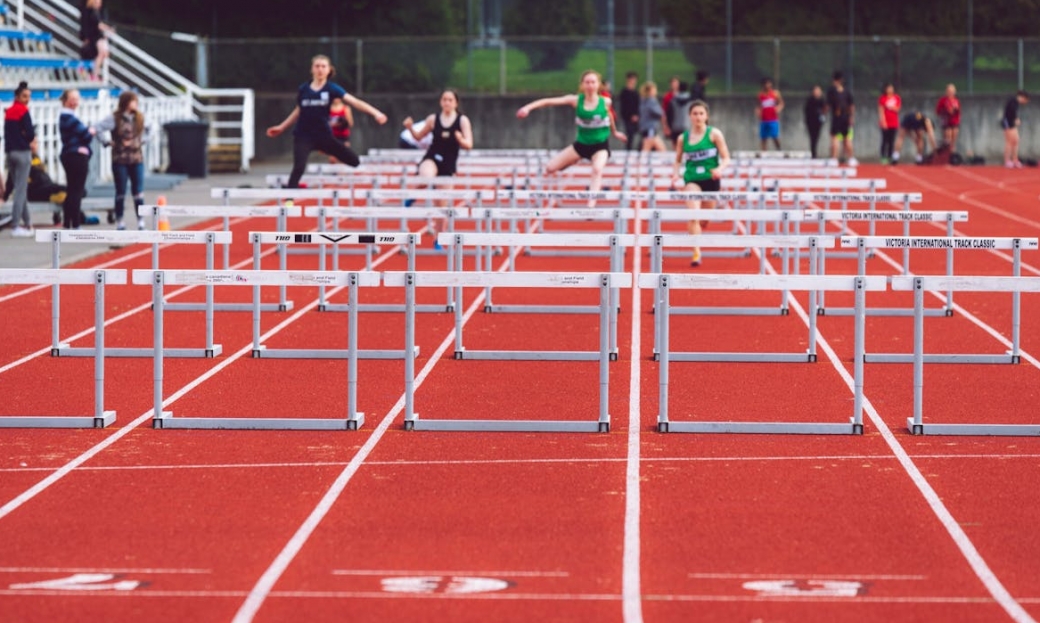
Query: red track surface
[[384, 524]]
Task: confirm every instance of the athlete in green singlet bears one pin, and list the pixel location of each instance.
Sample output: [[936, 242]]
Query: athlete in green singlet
[[595, 127], [703, 151]]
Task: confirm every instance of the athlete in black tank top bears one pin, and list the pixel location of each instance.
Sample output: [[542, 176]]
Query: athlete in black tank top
[[444, 151]]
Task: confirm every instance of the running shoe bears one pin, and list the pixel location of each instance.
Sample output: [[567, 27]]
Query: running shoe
[[695, 260], [853, 162], [21, 232]]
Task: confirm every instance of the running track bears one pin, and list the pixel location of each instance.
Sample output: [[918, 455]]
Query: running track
[[132, 524]]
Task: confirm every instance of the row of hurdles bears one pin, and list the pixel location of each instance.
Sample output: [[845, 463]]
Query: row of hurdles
[[606, 283]]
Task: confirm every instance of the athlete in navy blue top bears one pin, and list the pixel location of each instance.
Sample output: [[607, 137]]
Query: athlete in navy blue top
[[311, 116]]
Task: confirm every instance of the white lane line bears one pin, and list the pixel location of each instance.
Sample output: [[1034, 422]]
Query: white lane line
[[103, 570], [66, 469], [960, 538], [471, 572], [811, 576], [263, 587], [514, 597], [631, 581], [508, 462], [963, 197]]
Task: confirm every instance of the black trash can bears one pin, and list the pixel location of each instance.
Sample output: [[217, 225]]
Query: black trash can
[[187, 146]]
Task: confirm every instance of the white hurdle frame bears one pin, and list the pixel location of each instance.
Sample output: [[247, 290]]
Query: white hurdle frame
[[749, 203], [126, 237], [919, 284], [665, 283], [814, 246], [605, 282], [863, 252], [371, 216], [1015, 245], [280, 213], [613, 243], [66, 276], [255, 278], [407, 239]]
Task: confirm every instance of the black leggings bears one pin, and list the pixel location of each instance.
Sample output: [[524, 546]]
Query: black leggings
[[76, 166], [302, 148], [888, 141], [814, 137]]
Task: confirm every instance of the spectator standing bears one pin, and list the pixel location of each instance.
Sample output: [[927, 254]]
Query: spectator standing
[[19, 135], [949, 111], [129, 133], [889, 105], [699, 90], [1010, 122], [666, 104], [76, 138], [843, 110], [770, 105], [815, 114], [650, 115], [628, 101]]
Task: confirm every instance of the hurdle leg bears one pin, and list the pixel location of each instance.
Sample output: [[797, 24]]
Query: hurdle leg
[[102, 418], [283, 259], [949, 264], [157, 360], [607, 316], [355, 420], [916, 424], [410, 416], [55, 298], [1016, 303], [859, 333], [661, 320]]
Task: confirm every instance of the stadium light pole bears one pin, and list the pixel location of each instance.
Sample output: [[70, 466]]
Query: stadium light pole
[[610, 37], [852, 33], [729, 46]]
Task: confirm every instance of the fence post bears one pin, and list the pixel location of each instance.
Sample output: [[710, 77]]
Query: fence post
[[649, 55], [1021, 66], [360, 69], [776, 62], [897, 62], [501, 66]]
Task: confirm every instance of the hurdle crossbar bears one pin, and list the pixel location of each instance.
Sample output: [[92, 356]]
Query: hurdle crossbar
[[256, 278], [665, 283], [125, 237], [921, 283], [605, 282], [99, 278], [1015, 245]]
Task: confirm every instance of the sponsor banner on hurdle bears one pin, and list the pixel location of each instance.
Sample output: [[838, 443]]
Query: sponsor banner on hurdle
[[604, 282], [256, 278], [891, 216], [852, 197], [949, 244], [665, 283], [99, 278], [919, 284]]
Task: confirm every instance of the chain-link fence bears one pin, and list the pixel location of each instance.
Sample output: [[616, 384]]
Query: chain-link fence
[[504, 66]]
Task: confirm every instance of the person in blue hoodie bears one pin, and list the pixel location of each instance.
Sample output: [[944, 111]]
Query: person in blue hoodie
[[20, 135], [76, 139]]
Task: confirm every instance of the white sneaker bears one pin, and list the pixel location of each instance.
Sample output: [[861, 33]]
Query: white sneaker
[[140, 224], [853, 162], [120, 225], [21, 232]]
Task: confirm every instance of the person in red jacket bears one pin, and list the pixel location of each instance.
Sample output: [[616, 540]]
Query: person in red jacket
[[770, 105], [949, 110], [889, 105]]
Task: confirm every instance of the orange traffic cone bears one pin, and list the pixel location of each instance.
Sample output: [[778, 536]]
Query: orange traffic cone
[[164, 221]]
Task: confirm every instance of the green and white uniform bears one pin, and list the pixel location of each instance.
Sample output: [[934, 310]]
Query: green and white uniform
[[701, 158], [593, 125]]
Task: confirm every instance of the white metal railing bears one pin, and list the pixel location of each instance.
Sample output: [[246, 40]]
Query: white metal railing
[[229, 112]]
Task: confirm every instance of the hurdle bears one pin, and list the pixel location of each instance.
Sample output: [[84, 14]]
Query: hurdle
[[255, 278], [65, 276], [755, 208], [863, 252], [371, 217], [122, 237], [665, 283], [261, 351], [813, 244], [605, 282], [534, 219], [919, 284], [281, 213], [1015, 245], [615, 243]]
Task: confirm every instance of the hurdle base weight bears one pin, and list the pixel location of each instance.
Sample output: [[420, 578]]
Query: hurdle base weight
[[157, 421]]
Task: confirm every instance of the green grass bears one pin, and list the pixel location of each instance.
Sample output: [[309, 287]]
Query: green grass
[[520, 79]]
